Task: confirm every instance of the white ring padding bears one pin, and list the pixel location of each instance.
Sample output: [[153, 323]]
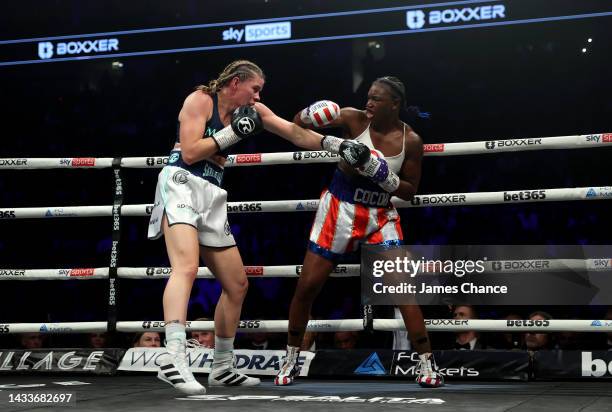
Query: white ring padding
[[251, 326], [59, 162], [280, 326], [444, 199], [54, 274], [501, 325], [255, 159], [292, 271], [281, 271], [56, 328]]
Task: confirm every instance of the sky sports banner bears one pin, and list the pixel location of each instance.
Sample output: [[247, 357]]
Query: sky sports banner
[[252, 362], [487, 275], [475, 365], [418, 17], [79, 361]]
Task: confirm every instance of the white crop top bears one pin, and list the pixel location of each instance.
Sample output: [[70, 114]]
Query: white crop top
[[394, 162]]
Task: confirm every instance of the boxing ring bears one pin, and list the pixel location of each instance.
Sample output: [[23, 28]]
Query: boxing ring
[[147, 393]]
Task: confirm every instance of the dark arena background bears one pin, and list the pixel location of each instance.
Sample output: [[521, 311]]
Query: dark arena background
[[95, 88]]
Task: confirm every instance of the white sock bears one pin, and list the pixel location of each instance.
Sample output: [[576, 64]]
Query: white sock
[[175, 336], [224, 348], [293, 352], [224, 344]]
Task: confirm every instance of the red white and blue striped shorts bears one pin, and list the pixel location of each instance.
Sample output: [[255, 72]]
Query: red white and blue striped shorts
[[340, 227]]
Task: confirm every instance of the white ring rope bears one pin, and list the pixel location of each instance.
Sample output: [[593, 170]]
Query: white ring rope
[[282, 271], [434, 200], [453, 199], [501, 325], [293, 271], [280, 326], [437, 149], [54, 274]]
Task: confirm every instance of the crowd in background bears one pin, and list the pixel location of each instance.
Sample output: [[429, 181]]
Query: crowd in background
[[343, 340], [511, 83]]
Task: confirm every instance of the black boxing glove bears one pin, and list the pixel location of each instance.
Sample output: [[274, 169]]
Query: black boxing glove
[[245, 122], [354, 153]]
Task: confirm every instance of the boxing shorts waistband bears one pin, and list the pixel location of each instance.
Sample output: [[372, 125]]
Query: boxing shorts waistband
[[358, 190], [203, 169]]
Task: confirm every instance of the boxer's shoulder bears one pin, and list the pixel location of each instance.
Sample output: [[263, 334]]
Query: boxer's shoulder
[[413, 140], [198, 104], [413, 144], [354, 121], [353, 114], [198, 97]]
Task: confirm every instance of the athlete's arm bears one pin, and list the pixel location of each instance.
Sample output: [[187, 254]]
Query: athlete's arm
[[410, 173], [196, 109], [307, 139]]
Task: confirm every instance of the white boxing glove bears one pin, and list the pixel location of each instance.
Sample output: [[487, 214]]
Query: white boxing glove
[[320, 113]]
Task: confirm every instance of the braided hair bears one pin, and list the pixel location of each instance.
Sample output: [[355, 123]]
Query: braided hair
[[398, 90], [243, 69]]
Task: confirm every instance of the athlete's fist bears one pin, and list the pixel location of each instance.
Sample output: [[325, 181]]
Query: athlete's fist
[[320, 113], [354, 153], [377, 169], [246, 121]]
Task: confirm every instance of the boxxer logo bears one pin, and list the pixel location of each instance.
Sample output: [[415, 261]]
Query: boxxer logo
[[314, 155], [45, 50], [415, 19], [492, 144]]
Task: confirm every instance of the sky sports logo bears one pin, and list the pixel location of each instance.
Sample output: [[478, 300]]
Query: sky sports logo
[[417, 19], [47, 50], [259, 32]]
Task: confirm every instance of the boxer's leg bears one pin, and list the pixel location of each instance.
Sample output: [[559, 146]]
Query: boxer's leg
[[226, 264], [183, 252], [315, 271]]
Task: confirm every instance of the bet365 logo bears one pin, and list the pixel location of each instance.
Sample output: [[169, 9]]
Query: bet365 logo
[[7, 214], [595, 367]]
